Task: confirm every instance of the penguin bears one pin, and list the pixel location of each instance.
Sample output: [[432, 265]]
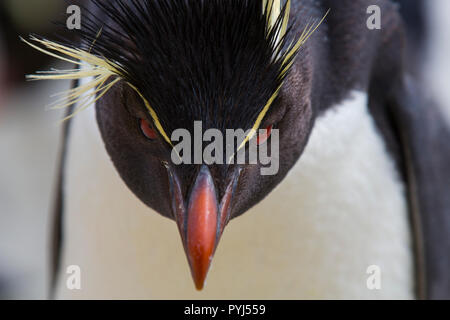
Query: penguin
[[357, 210]]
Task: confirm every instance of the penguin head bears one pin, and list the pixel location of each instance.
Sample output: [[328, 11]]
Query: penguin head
[[201, 198], [163, 66]]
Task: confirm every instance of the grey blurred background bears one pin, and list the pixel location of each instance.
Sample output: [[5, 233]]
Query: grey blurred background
[[29, 134]]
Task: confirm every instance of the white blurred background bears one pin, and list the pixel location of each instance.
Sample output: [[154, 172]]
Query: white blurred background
[[29, 136]]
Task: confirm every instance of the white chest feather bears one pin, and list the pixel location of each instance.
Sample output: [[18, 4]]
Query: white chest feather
[[340, 210]]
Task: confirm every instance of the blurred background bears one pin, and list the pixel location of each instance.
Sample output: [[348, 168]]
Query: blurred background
[[30, 134], [29, 140]]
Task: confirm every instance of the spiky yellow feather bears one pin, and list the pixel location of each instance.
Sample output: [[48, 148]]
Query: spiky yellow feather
[[91, 66]]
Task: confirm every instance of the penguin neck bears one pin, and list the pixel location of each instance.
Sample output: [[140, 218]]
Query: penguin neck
[[340, 210]]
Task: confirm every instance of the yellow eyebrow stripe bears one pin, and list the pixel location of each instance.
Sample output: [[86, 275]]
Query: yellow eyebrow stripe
[[259, 119], [153, 114]]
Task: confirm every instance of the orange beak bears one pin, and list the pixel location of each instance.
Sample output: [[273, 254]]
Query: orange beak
[[202, 224], [202, 221]]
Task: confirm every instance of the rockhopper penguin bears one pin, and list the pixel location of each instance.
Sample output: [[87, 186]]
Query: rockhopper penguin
[[364, 163]]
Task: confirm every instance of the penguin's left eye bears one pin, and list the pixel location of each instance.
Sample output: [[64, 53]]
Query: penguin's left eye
[[263, 136], [147, 130]]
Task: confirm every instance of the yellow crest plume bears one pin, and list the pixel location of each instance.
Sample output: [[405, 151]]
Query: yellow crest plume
[[100, 69]]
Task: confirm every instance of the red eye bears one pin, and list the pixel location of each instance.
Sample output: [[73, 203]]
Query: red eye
[[262, 137], [148, 131]]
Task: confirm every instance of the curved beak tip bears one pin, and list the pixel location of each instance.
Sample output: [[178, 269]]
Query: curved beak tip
[[200, 281], [200, 262], [199, 286]]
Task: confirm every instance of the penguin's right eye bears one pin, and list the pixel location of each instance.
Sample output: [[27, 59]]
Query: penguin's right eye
[[147, 130], [263, 136]]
